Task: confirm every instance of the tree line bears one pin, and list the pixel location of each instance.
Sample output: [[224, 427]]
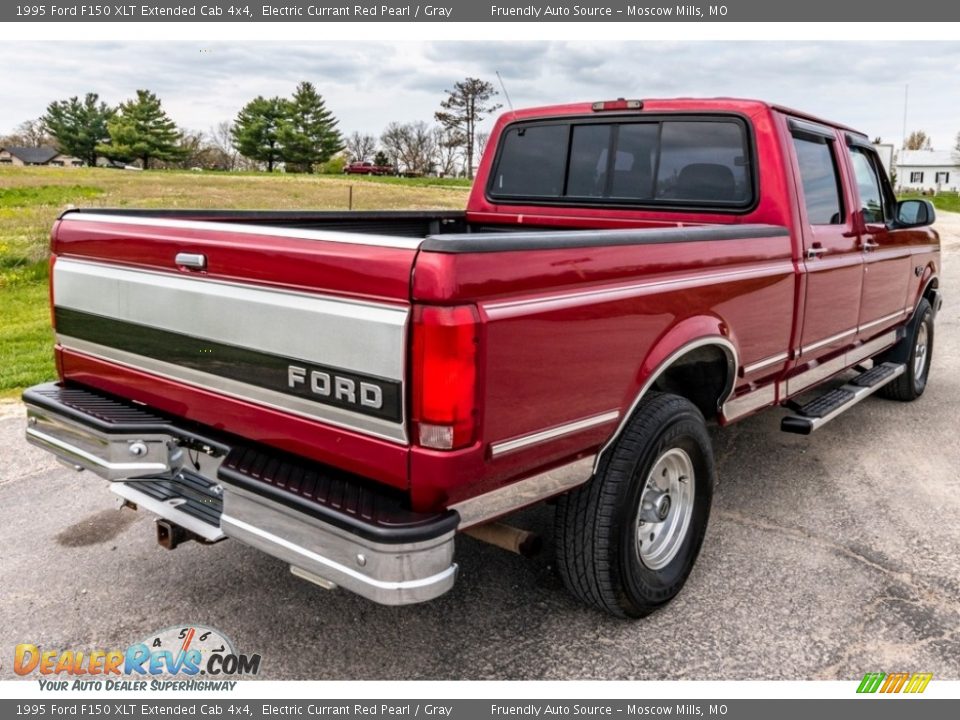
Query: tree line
[[298, 132]]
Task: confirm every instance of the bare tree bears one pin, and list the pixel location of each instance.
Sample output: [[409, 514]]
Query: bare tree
[[482, 139], [410, 146], [917, 140], [221, 141], [29, 133], [193, 149], [465, 106], [392, 142], [447, 144], [956, 149], [360, 147]]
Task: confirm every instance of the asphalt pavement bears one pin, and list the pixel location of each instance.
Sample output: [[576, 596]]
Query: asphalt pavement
[[826, 557]]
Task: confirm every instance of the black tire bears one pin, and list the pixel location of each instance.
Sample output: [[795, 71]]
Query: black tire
[[596, 525], [911, 384]]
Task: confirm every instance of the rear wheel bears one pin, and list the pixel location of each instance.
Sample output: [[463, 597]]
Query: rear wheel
[[628, 539], [919, 351]]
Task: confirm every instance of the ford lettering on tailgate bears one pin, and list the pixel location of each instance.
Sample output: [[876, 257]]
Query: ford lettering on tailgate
[[372, 396]]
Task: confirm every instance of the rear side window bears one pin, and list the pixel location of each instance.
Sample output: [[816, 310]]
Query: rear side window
[[532, 161], [701, 163], [821, 182]]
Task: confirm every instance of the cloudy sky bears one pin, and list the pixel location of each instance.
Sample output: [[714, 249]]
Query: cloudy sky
[[368, 84]]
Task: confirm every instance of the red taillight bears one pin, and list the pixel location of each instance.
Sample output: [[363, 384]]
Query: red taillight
[[445, 376]]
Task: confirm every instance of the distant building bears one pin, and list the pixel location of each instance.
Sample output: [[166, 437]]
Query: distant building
[[885, 153], [928, 170], [44, 155]]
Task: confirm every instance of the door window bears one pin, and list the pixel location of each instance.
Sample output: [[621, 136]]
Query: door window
[[868, 184], [820, 180]]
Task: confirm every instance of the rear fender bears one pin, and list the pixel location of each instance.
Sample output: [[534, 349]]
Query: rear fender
[[689, 335]]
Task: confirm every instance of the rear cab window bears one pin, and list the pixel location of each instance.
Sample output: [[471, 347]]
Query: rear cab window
[[702, 162]]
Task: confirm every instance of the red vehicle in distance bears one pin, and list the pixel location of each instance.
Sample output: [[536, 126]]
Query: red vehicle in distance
[[368, 168], [347, 391]]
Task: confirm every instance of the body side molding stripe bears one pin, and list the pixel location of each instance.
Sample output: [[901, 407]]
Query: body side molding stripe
[[510, 308], [885, 318], [523, 441], [765, 362]]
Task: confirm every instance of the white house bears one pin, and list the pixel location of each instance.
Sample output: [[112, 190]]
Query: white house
[[928, 170]]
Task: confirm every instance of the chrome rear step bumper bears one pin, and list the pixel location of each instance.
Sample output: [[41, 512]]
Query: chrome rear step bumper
[[331, 527]]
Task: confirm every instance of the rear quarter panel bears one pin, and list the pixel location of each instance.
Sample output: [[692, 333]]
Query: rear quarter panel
[[572, 334]]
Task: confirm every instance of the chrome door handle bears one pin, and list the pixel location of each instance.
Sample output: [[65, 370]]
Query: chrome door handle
[[869, 244], [815, 251], [194, 261]]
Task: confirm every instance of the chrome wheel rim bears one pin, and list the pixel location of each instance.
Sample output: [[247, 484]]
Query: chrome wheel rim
[[666, 507], [920, 352]]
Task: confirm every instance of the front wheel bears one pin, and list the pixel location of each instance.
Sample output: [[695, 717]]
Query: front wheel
[[628, 539], [919, 352]]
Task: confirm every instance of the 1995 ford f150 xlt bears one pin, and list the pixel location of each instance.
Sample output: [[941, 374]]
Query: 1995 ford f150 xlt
[[348, 391]]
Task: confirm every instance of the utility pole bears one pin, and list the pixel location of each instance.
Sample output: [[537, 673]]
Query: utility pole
[[906, 90]]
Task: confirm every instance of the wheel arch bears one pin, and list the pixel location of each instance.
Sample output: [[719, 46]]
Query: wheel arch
[[930, 283], [698, 346]]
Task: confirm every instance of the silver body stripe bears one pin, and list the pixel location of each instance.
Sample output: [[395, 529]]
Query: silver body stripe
[[241, 229], [766, 362], [852, 331], [819, 373], [524, 441], [885, 318], [511, 308], [361, 337], [290, 404], [828, 340]]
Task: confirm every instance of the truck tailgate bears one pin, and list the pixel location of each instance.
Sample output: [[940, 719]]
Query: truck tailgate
[[295, 338]]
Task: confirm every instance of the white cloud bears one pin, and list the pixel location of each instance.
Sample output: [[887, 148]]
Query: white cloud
[[368, 84]]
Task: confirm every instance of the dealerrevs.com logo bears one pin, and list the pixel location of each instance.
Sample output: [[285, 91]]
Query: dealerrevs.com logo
[[187, 657]]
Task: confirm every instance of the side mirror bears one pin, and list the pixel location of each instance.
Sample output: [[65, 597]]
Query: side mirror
[[915, 213]]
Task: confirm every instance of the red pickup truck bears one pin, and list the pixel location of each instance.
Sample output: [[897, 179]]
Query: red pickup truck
[[368, 168], [348, 391]]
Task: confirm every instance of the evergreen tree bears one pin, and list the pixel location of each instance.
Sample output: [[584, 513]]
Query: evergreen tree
[[79, 127], [142, 130], [256, 130], [308, 132]]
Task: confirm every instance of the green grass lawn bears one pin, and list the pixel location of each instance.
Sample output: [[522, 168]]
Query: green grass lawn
[[26, 340], [32, 198], [944, 201]]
